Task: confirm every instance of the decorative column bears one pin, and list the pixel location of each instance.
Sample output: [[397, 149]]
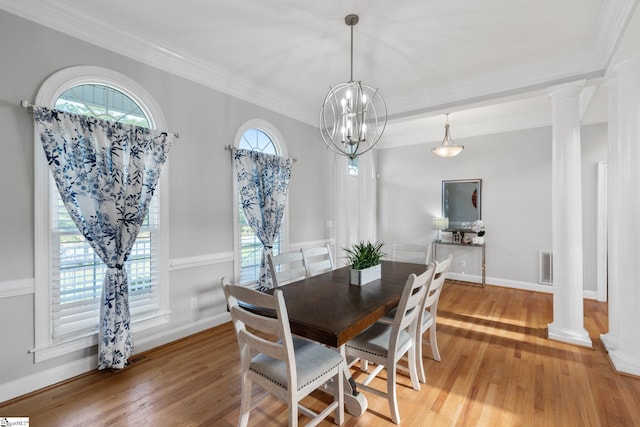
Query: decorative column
[[342, 223], [626, 316], [367, 190], [610, 339], [566, 201]]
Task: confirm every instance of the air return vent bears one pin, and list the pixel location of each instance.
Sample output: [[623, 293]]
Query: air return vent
[[545, 262]]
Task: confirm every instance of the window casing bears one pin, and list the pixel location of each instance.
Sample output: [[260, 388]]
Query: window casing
[[68, 273], [256, 135]]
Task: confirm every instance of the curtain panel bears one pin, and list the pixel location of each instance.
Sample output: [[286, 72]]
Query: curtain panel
[[106, 173], [263, 181]]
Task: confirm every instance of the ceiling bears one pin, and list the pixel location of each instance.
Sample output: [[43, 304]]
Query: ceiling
[[486, 62]]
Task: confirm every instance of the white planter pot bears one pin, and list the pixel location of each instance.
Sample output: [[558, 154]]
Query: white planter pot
[[362, 277]]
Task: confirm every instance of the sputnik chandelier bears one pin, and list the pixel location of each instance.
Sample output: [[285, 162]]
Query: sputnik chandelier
[[353, 115]]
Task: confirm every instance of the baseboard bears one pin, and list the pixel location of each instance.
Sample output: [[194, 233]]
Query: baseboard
[[528, 286], [515, 284], [624, 363], [153, 341], [590, 295], [464, 277], [39, 380], [609, 341], [578, 337]]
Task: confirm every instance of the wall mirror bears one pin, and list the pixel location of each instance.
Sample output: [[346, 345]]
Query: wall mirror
[[461, 202]]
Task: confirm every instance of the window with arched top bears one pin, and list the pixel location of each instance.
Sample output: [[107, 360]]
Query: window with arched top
[[255, 135], [69, 276]]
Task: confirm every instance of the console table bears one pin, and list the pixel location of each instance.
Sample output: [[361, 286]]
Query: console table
[[437, 243]]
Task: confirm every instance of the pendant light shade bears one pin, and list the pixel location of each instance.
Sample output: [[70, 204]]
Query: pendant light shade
[[353, 115], [448, 148]]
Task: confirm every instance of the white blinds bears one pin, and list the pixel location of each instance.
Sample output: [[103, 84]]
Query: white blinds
[[77, 275]]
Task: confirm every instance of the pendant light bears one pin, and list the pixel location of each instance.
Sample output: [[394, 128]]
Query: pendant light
[[353, 115], [448, 148]]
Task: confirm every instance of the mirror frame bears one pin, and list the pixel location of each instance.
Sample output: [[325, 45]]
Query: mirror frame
[[453, 224]]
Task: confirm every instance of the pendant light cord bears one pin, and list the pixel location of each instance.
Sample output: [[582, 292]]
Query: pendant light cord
[[351, 53]]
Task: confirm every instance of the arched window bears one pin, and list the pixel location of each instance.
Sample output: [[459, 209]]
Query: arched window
[[256, 135], [69, 276]]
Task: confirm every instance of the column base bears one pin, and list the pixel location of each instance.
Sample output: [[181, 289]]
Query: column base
[[579, 337], [625, 363], [610, 342]]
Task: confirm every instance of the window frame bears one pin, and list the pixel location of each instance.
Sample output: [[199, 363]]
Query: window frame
[[272, 132], [50, 90]]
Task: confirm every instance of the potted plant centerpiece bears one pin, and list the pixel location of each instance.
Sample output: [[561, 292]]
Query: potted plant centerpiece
[[364, 259]]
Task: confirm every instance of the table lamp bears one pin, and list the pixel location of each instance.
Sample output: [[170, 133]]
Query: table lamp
[[440, 224]]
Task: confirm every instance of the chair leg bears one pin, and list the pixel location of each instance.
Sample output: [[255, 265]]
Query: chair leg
[[419, 363], [413, 371], [293, 413], [434, 342], [391, 394], [339, 397], [245, 405]]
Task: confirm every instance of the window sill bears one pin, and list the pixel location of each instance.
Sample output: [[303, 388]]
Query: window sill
[[56, 349]]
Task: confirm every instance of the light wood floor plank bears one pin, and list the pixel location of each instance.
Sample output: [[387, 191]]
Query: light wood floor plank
[[497, 369]]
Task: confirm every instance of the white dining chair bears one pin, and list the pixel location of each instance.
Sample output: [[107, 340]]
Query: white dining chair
[[427, 317], [286, 267], [287, 367], [411, 252], [386, 344], [318, 259]]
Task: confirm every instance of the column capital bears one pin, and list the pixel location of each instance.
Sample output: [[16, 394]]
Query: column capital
[[626, 65], [566, 90]]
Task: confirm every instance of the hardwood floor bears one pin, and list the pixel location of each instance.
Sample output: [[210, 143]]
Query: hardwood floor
[[497, 369]]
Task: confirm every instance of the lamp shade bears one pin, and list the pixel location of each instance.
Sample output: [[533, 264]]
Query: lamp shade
[[448, 148], [445, 150], [440, 223]]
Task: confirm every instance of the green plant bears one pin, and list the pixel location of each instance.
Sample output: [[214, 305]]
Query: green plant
[[364, 255]]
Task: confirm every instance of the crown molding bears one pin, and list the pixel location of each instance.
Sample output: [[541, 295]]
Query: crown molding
[[614, 18], [586, 65], [60, 16], [415, 136]]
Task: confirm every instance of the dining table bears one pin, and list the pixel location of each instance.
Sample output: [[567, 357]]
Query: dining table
[[327, 309]]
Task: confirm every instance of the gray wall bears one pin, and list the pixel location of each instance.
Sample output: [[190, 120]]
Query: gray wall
[[200, 186], [515, 169]]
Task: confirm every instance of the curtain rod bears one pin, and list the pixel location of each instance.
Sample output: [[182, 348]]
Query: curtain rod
[[231, 148], [25, 104], [29, 106]]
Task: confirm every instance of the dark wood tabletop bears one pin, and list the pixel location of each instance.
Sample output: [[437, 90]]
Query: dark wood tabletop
[[327, 309]]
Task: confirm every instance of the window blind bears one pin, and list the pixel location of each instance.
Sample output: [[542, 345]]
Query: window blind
[[77, 275]]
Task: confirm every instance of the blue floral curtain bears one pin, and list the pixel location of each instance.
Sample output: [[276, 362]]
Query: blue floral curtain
[[263, 180], [106, 173]]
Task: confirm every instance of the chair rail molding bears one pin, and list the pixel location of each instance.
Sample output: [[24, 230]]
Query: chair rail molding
[[200, 260], [13, 288]]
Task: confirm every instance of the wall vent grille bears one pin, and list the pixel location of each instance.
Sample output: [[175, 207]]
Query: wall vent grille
[[545, 275]]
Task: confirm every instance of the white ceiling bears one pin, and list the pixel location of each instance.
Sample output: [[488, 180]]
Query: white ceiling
[[487, 62]]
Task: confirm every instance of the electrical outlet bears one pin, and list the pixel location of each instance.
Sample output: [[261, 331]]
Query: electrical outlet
[[194, 302], [463, 263]]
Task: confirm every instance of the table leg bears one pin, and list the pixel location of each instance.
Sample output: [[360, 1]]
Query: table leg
[[354, 401]]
